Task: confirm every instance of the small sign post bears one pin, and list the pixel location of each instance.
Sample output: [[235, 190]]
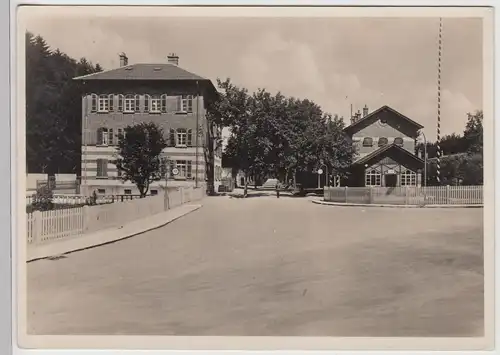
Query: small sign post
[[320, 171]]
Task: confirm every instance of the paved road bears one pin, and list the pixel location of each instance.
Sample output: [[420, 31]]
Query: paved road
[[267, 266]]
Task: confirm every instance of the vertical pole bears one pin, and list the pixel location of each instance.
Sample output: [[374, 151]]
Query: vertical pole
[[438, 163], [197, 133]]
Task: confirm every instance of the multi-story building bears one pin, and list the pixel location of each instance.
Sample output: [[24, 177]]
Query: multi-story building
[[385, 142], [165, 94]]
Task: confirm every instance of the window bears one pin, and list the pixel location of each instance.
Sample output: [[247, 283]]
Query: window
[[128, 192], [184, 167], [102, 168], [185, 103], [367, 142], [408, 178], [373, 178], [155, 104], [181, 137], [382, 141], [103, 103], [101, 191], [398, 141], [120, 103], [129, 104], [120, 135], [105, 136], [154, 192]]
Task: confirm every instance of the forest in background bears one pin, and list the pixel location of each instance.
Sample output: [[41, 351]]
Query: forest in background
[[53, 108]]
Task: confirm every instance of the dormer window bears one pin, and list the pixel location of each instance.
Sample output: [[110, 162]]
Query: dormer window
[[368, 142], [382, 141], [398, 141]]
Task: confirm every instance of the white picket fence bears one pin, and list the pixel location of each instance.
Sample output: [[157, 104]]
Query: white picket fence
[[49, 226], [410, 195]]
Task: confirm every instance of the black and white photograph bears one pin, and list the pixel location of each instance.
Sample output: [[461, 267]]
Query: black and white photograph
[[255, 173]]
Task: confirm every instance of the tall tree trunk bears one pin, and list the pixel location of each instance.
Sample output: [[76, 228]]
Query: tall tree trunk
[[245, 191]]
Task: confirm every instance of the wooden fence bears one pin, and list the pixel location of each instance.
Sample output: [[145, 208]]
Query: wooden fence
[[430, 195], [49, 226]]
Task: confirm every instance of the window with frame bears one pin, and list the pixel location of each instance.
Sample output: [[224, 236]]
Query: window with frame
[[373, 178], [185, 104], [102, 168], [101, 191], [129, 104], [185, 168], [154, 104], [181, 137], [408, 178], [398, 141], [154, 192], [382, 141], [128, 192], [367, 142], [103, 103]]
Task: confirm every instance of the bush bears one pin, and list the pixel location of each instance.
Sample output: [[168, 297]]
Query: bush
[[42, 200]]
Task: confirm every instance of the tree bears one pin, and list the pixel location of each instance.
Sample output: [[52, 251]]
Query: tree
[[53, 108], [139, 155], [473, 133]]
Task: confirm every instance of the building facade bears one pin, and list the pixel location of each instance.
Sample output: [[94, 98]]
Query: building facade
[[165, 94], [385, 142]]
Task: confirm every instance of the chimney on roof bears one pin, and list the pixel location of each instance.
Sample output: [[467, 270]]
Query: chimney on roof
[[173, 59], [123, 60], [365, 111]]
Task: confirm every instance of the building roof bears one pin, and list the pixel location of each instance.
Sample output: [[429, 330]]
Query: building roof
[[164, 71], [387, 148], [371, 115]]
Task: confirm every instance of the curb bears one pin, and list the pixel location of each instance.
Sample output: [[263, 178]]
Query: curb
[[123, 237], [341, 204]]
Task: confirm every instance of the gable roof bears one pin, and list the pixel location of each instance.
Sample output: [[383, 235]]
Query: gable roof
[[386, 148], [351, 128], [162, 71]]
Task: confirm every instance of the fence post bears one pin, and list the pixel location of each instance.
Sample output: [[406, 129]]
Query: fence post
[[345, 194], [447, 194], [407, 197], [37, 227], [370, 198], [86, 218]]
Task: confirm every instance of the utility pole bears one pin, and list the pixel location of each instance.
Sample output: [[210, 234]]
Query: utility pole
[[439, 152]]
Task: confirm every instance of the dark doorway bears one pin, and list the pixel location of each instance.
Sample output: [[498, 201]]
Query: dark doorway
[[391, 180]]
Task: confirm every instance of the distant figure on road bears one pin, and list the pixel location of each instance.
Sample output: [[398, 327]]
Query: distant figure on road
[[277, 189]]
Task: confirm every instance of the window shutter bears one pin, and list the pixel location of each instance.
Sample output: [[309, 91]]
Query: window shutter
[[120, 103], [164, 103], [189, 169], [190, 104], [172, 137], [179, 103], [137, 103], [189, 137], [147, 100], [172, 167], [93, 104], [99, 167], [111, 99], [110, 136], [99, 136], [105, 167]]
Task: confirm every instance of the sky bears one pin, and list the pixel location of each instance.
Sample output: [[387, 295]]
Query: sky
[[335, 62]]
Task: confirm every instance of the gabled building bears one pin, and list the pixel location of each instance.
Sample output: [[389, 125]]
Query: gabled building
[[385, 142], [165, 94]]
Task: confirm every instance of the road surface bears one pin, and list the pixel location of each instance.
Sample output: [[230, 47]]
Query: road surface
[[278, 267]]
